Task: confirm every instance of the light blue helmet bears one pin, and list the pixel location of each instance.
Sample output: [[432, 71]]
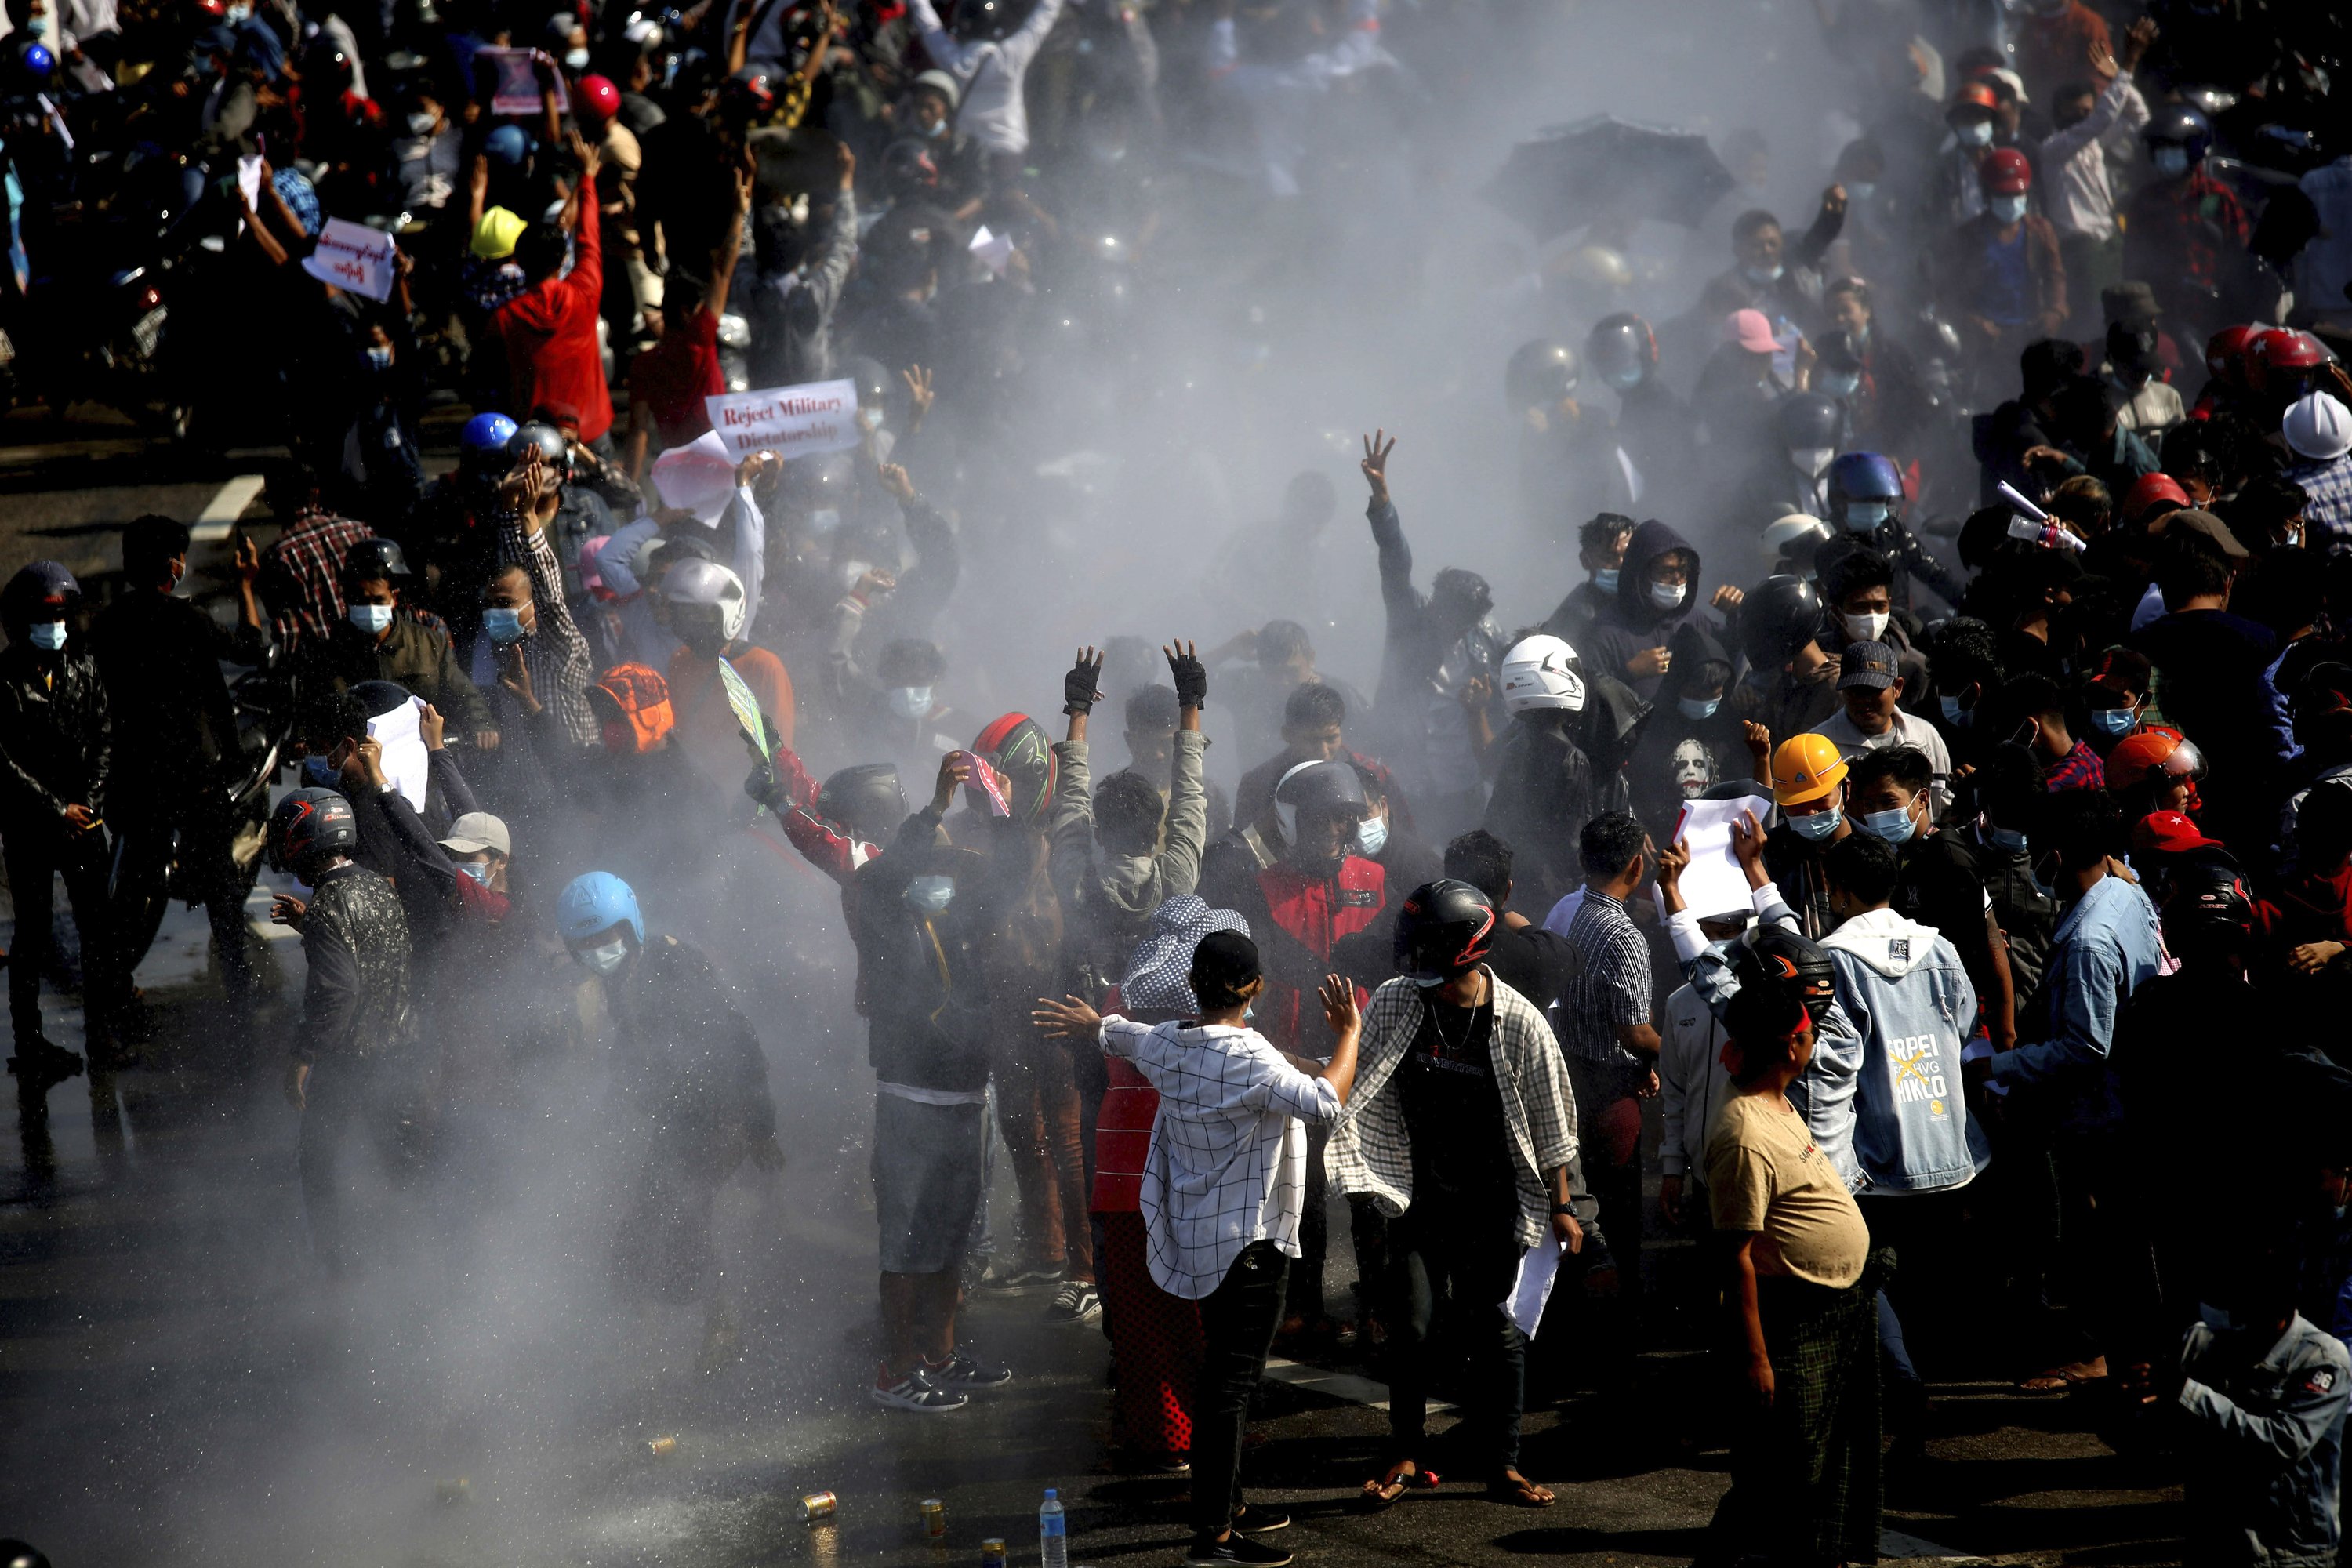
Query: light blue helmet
[[594, 902], [487, 435]]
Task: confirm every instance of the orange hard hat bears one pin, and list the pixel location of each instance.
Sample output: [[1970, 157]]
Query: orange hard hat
[[1806, 767]]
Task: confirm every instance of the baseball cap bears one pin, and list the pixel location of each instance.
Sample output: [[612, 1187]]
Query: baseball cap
[[2169, 833], [1752, 332], [1870, 664], [475, 831]]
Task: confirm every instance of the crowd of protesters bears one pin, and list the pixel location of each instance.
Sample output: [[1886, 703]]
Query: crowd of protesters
[[1981, 554]]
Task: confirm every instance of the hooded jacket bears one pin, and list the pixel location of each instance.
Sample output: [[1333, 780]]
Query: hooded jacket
[[1111, 895], [1630, 622], [1651, 773], [1910, 999]]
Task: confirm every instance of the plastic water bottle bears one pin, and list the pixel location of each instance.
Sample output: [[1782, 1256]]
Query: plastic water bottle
[[1052, 1531]]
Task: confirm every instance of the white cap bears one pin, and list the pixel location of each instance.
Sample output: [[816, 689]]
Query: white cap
[[1542, 672], [2318, 427]]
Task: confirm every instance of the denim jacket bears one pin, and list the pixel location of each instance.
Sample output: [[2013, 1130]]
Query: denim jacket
[[2267, 1455], [2103, 948], [1908, 997]]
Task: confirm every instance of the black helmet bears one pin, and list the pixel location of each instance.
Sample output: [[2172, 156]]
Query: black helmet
[[2206, 899], [865, 798], [1808, 419], [1539, 374], [988, 18], [873, 381], [1445, 928], [749, 95], [1780, 616], [22, 1554], [554, 451], [35, 586], [1623, 349], [1775, 955], [375, 559], [907, 167], [2179, 125], [310, 822]]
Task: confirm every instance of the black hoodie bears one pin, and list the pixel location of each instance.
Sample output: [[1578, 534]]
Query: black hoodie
[[1633, 623], [1650, 774]]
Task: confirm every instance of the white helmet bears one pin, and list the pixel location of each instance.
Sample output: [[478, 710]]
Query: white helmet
[[1796, 532], [1543, 672], [703, 594], [2318, 427]]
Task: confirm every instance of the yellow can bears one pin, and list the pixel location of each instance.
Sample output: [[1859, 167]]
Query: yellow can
[[935, 1518], [817, 1508]]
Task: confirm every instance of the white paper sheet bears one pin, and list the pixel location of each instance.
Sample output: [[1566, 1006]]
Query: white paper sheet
[[404, 763], [1538, 1272], [1713, 883]]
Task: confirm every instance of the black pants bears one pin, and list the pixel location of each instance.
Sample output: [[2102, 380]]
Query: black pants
[[1366, 1232], [374, 1099], [199, 839], [1237, 1323], [1454, 1270], [33, 857]]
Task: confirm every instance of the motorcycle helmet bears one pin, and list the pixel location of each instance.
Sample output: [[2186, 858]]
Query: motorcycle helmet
[[873, 383], [749, 95], [593, 903], [1542, 672], [706, 605], [598, 98], [2207, 902], [374, 559], [1780, 616], [1318, 788], [2146, 493], [2138, 758], [908, 168], [1774, 956], [1015, 747], [1809, 419], [1540, 374], [1789, 545], [1871, 481], [1443, 929], [865, 798], [484, 438], [2177, 125], [2005, 173], [2281, 363], [554, 451], [34, 64], [1622, 350], [508, 146], [308, 823], [2226, 356], [984, 20]]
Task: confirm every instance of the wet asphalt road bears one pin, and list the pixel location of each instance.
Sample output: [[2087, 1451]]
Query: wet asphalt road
[[178, 1385]]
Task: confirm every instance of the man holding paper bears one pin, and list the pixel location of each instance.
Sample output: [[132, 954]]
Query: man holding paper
[[1462, 1130]]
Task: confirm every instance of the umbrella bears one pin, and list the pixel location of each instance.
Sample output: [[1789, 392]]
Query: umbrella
[[1607, 167]]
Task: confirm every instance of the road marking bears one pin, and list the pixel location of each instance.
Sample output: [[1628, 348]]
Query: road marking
[[1911, 1549], [220, 513], [1336, 1384]]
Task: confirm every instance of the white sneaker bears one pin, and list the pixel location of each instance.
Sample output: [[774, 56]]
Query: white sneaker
[[914, 1392]]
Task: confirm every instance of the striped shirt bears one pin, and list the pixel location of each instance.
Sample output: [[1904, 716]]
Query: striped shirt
[[1610, 986], [301, 575]]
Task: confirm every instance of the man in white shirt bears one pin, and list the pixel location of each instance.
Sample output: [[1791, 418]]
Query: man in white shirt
[[989, 69], [1870, 688], [2077, 197]]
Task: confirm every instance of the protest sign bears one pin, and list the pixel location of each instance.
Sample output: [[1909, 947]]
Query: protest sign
[[746, 707], [354, 257], [791, 421], [518, 84]]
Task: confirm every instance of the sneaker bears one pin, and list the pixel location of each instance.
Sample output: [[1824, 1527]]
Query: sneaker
[[38, 1061], [959, 1370], [1075, 1302], [916, 1391], [1208, 1552], [1001, 1277], [1255, 1518]]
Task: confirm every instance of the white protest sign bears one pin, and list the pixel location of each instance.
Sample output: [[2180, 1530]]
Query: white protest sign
[[791, 421], [995, 250], [518, 88], [354, 257]]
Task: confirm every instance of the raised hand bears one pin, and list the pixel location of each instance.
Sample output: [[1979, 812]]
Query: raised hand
[[1079, 693], [1192, 676], [1068, 1018], [1375, 466]]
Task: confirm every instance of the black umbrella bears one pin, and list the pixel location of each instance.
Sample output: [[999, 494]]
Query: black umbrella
[[1605, 167]]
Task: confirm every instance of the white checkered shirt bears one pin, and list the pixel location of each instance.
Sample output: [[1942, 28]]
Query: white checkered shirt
[[1228, 1160]]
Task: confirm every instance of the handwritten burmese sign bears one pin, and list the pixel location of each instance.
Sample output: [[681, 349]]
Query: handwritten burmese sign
[[354, 257], [791, 421]]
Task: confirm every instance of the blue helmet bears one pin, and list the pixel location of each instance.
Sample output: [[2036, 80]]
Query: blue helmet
[[594, 902], [486, 434], [508, 145], [36, 61], [1864, 477]]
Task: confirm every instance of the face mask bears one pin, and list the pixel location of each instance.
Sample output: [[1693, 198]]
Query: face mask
[[478, 869], [1372, 834], [1861, 516], [1867, 628], [575, 59], [380, 357], [1697, 708], [49, 635], [1606, 581], [910, 701], [605, 959], [2114, 721], [1954, 715], [1860, 191], [421, 123], [870, 418], [1894, 825], [1812, 461], [237, 14], [2008, 209], [2170, 162], [2046, 887], [1431, 982], [503, 625], [930, 895], [2007, 838], [319, 775], [1842, 384], [936, 132], [1665, 596], [1762, 276], [373, 619], [1816, 825], [1975, 134], [1626, 379]]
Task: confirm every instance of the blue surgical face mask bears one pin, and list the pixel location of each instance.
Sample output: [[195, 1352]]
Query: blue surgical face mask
[[420, 123], [319, 775], [1840, 384], [2008, 209], [2007, 838], [1816, 825], [1862, 516], [1974, 133], [1666, 596], [1430, 983], [373, 619], [478, 869], [1860, 191], [2171, 163], [1761, 275], [1697, 708], [503, 625], [575, 59], [49, 635], [237, 14], [1893, 825], [1623, 379], [1954, 715], [2114, 721], [605, 959], [910, 701], [1606, 581], [380, 357], [936, 130], [930, 895], [1371, 835]]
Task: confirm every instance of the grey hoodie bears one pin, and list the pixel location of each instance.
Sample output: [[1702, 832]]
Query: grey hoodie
[[1903, 987], [1108, 900]]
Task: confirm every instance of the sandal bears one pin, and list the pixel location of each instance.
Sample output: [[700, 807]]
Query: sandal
[[1399, 1477], [2059, 1379], [1513, 1488]]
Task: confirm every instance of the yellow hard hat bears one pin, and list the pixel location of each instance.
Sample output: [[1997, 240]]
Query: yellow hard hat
[[495, 236], [1806, 767]]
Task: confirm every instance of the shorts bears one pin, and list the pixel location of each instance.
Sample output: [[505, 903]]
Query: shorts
[[927, 1179]]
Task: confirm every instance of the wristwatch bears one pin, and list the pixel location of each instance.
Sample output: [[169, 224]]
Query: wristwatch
[[1568, 1209]]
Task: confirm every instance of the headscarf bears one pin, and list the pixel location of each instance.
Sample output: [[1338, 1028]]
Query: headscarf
[[1159, 973]]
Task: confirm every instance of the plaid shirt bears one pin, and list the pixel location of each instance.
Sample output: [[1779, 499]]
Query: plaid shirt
[[1228, 1160], [555, 653], [2078, 769], [1610, 986], [2328, 514], [301, 575], [1371, 1150]]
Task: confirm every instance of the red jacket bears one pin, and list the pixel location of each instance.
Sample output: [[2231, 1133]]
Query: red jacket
[[1316, 912], [550, 333]]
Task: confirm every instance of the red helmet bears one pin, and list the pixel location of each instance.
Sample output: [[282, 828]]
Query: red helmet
[[2280, 360], [2005, 173], [1016, 750], [2148, 492], [2225, 355], [2138, 758], [599, 99], [1973, 95]]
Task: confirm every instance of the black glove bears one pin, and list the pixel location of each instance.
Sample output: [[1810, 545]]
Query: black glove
[[1078, 691], [761, 785], [1192, 678]]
